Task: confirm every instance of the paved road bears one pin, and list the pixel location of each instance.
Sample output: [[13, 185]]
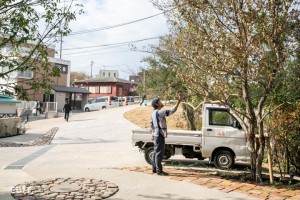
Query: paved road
[[90, 145]]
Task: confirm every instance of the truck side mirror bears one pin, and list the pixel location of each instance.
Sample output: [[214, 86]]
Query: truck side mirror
[[235, 124]]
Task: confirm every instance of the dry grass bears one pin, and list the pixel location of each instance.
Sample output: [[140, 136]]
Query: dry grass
[[141, 117]]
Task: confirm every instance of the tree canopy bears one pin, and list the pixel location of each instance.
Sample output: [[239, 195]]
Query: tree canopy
[[237, 53], [27, 27]]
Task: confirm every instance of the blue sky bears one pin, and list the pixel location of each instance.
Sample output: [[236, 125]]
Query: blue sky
[[103, 13]]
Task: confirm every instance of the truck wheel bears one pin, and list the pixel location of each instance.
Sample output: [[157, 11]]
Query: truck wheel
[[149, 154], [223, 159]]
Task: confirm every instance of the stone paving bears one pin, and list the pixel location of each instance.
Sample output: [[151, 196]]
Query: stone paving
[[65, 189], [40, 141], [209, 180]]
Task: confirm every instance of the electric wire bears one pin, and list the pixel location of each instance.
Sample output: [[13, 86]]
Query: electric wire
[[113, 26], [112, 44]]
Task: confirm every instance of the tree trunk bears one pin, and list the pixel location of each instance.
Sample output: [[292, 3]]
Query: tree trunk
[[252, 148], [190, 116], [260, 157], [261, 146]]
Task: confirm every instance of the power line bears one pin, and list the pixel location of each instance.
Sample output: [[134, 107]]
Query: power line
[[94, 50], [107, 53], [113, 26], [112, 44]]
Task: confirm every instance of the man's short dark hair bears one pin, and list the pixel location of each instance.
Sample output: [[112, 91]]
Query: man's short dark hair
[[154, 102]]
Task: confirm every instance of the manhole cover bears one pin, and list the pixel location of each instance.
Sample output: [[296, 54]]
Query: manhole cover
[[65, 188]]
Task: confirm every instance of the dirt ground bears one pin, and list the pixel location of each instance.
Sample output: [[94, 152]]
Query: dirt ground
[[141, 117]]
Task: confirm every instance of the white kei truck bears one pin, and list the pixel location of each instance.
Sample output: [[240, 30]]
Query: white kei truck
[[222, 139]]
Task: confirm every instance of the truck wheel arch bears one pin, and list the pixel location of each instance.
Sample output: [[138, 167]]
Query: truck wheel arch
[[223, 153]]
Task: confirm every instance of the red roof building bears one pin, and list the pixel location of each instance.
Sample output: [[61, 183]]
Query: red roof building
[[107, 86]]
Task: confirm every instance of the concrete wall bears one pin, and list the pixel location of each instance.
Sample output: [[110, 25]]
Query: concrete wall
[[60, 98], [84, 100], [8, 127]]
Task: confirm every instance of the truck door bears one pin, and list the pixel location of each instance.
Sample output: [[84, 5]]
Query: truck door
[[220, 131]]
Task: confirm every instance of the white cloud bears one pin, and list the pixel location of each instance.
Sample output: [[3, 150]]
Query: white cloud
[[103, 13]]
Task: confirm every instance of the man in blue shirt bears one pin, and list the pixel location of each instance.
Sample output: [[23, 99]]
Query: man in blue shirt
[[158, 128]]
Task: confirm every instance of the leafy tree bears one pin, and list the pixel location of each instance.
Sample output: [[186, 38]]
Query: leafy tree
[[21, 23], [284, 123], [233, 52], [162, 81], [75, 76]]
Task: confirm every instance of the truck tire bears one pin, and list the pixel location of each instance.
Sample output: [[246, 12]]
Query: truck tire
[[149, 154], [223, 159]]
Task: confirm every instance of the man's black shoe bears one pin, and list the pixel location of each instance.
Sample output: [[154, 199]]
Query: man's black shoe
[[162, 174], [153, 171]]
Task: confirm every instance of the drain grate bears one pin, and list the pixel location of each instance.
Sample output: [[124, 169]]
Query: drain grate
[[19, 164], [14, 167]]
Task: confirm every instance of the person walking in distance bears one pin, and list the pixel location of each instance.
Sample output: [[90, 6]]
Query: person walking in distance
[[37, 108], [158, 129], [143, 99], [67, 109]]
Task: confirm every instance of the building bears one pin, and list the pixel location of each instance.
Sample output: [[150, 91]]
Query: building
[[107, 86], [136, 78], [108, 73], [61, 90]]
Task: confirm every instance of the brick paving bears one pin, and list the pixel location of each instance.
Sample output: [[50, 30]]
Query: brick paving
[[204, 179], [40, 141]]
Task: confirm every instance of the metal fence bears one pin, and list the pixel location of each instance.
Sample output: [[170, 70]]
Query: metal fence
[[24, 106], [51, 107]]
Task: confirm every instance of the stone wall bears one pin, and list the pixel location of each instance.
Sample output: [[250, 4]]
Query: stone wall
[[11, 126]]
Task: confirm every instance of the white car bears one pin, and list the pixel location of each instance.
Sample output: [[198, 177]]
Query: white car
[[101, 103]]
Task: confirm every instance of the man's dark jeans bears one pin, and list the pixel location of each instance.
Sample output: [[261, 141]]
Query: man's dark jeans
[[67, 116], [158, 154]]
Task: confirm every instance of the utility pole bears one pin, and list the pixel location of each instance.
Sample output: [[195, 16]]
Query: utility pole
[[61, 41], [92, 62], [144, 80]]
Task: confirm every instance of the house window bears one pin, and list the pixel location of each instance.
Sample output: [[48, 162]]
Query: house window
[[109, 74], [25, 74], [114, 74], [94, 89], [105, 89], [63, 68]]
